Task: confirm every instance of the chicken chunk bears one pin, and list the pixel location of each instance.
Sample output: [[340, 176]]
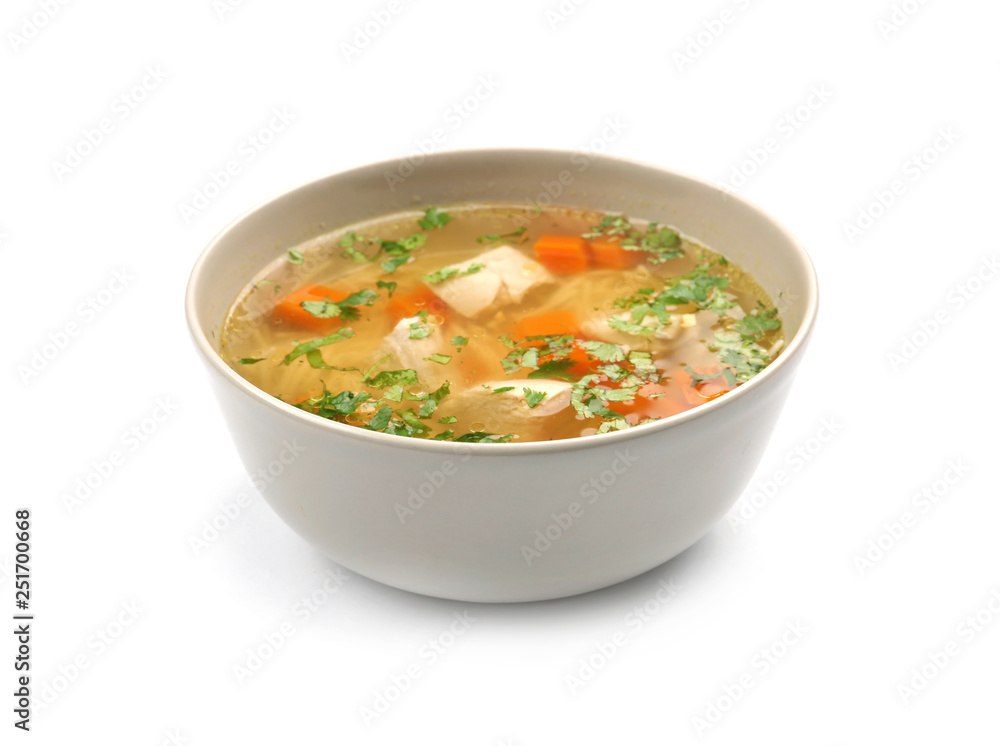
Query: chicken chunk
[[506, 277], [411, 352], [681, 324]]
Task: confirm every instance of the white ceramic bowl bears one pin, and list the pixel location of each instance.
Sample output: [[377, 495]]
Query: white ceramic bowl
[[517, 521]]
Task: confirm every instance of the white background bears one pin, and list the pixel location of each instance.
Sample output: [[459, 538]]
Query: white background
[[139, 629]]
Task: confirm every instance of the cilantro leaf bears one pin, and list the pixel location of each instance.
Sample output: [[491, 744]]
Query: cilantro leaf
[[604, 351], [499, 236], [386, 378], [483, 438], [502, 389], [420, 330], [447, 273], [390, 286], [438, 358], [334, 406], [757, 323], [250, 360], [434, 218], [533, 398], [307, 347], [295, 257], [555, 369]]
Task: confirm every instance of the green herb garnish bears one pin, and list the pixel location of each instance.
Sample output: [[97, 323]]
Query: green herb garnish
[[448, 273], [434, 218], [307, 347], [500, 236]]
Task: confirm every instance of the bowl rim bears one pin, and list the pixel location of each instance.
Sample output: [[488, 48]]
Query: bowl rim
[[790, 351]]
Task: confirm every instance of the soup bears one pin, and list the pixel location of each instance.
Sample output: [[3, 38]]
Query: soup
[[495, 323]]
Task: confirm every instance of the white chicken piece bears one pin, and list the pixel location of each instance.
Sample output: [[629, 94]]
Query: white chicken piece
[[508, 411], [557, 395], [506, 277], [411, 352], [599, 327]]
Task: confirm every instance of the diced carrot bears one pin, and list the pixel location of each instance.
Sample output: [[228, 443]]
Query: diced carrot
[[653, 400], [562, 254], [290, 309], [705, 390], [611, 255], [560, 322], [555, 324], [405, 305]]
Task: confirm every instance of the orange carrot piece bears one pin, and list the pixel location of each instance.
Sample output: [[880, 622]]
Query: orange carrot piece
[[405, 305], [290, 309], [666, 400], [562, 254], [559, 322], [611, 255]]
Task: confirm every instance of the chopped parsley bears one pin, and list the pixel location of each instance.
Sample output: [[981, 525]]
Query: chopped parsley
[[250, 360], [345, 309], [459, 342], [533, 398], [307, 347], [483, 438], [757, 323], [439, 358], [659, 243], [448, 273], [434, 218], [501, 236], [397, 253], [386, 378], [420, 329], [502, 389]]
